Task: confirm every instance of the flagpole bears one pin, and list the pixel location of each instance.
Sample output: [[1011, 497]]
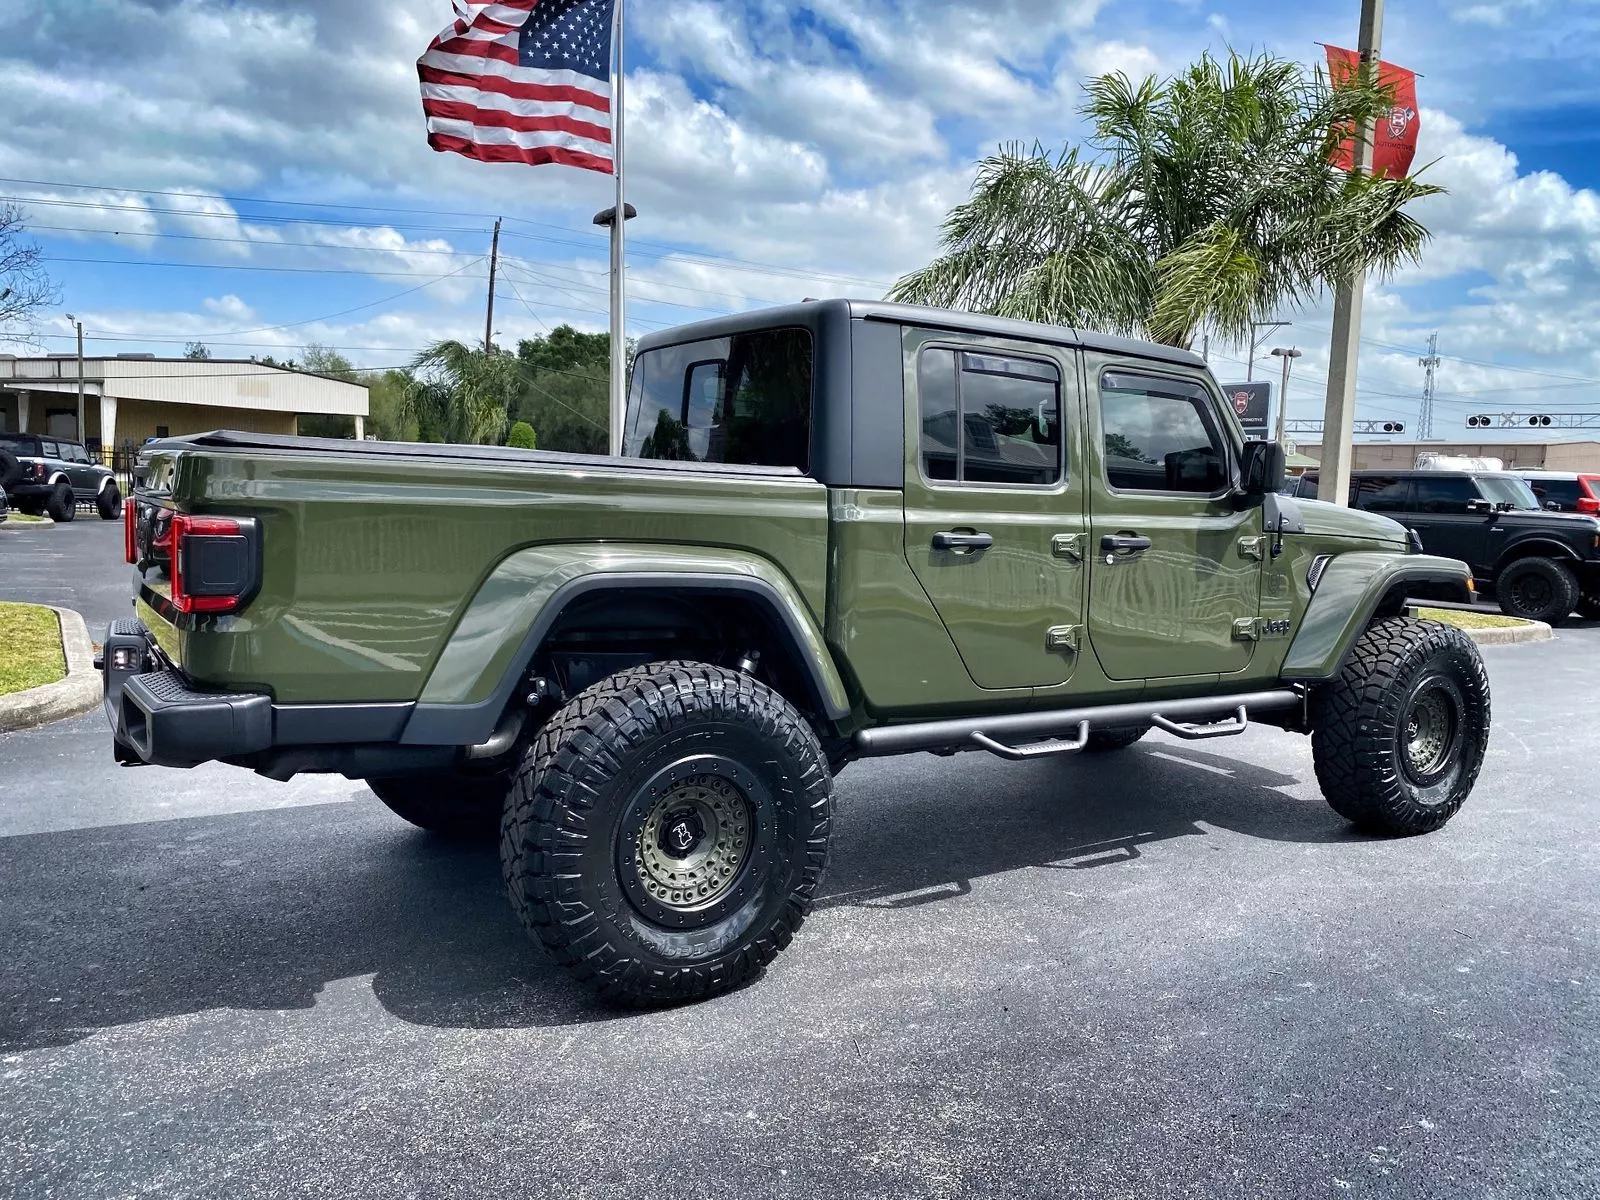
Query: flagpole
[[619, 225]]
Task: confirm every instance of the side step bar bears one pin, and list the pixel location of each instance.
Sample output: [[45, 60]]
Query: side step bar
[[1192, 719]]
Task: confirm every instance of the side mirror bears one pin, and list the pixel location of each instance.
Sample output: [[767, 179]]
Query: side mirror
[[1262, 466], [1479, 506], [1552, 505]]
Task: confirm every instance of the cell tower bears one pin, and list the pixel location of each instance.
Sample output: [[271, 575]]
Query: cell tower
[[1425, 421]]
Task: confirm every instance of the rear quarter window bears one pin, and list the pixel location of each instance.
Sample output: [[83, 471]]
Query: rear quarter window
[[744, 399]]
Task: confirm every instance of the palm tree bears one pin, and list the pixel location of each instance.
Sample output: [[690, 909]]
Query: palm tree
[[1207, 198], [461, 395]]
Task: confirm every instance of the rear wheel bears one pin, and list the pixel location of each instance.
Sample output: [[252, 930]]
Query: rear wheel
[[1398, 738], [109, 503], [1101, 740], [62, 505], [1537, 589], [667, 832], [453, 805]]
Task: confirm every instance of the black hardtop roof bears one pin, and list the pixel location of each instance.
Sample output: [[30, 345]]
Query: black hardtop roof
[[1424, 472], [811, 311]]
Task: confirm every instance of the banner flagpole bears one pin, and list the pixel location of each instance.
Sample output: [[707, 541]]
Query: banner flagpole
[[619, 225]]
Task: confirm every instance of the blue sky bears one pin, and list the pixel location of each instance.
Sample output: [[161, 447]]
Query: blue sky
[[778, 151]]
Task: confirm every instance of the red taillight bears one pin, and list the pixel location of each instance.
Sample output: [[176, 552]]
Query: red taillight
[[1589, 506], [130, 531], [229, 575], [39, 472]]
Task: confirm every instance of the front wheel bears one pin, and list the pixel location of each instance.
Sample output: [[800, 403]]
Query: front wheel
[[1537, 589], [1398, 738], [451, 805], [109, 503], [667, 832]]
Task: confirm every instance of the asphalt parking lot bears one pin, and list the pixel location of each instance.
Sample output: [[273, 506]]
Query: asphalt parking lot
[[1169, 972]]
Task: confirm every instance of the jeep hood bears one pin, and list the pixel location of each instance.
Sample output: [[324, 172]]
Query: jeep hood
[[1332, 520]]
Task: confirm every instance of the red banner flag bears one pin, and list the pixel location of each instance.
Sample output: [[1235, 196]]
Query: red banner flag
[[1394, 142]]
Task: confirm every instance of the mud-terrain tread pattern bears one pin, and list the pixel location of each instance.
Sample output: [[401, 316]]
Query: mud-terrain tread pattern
[[468, 807], [1562, 579], [1353, 756], [62, 504], [573, 757], [108, 503]]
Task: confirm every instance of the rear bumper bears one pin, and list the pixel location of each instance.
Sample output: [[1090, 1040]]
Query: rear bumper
[[157, 718]]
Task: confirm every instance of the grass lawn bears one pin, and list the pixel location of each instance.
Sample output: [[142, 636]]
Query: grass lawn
[[30, 648], [24, 519], [1462, 619]]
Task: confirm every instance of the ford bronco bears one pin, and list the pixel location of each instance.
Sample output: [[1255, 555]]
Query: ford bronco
[[837, 530]]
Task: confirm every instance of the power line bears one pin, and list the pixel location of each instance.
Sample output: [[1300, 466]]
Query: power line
[[194, 266], [197, 237]]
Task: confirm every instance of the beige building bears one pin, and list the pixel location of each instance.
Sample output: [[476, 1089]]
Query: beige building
[[1523, 456], [129, 398]]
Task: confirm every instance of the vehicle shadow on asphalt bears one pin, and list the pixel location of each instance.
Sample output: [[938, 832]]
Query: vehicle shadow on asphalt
[[908, 848], [116, 925]]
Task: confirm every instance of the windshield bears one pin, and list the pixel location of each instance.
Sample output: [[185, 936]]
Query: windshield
[[1507, 489]]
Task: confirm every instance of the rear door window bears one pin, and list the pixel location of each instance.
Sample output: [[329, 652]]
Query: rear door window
[[49, 449], [989, 418], [741, 399], [1383, 493]]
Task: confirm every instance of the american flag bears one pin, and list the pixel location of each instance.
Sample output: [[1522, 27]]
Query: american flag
[[525, 81]]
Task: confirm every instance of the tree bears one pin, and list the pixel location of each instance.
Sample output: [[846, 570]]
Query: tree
[[386, 407], [197, 351], [1206, 198], [24, 286], [565, 391], [461, 395], [522, 437], [320, 360]]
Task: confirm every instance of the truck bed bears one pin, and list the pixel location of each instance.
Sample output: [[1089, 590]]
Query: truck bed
[[371, 551]]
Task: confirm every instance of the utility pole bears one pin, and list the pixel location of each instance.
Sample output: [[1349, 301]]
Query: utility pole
[[1425, 420], [1255, 341], [1344, 354], [1288, 357], [79, 325], [494, 261]]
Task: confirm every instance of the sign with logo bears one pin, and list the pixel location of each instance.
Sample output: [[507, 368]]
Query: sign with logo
[[1394, 140], [1253, 403]]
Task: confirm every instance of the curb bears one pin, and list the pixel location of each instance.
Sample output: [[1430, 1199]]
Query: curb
[[78, 693], [1532, 631], [47, 523]]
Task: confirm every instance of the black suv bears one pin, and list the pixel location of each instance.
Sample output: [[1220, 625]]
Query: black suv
[[1538, 564], [52, 475]]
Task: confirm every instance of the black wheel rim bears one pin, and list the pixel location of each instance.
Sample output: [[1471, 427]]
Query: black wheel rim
[[1429, 741], [694, 842], [1533, 593]]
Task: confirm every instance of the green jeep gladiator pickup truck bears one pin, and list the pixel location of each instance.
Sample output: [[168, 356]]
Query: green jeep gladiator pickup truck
[[837, 530]]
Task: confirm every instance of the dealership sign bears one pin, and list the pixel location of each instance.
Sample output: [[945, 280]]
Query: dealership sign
[[1253, 403]]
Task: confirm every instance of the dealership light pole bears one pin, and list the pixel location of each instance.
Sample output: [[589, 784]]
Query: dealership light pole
[[79, 325], [1288, 356]]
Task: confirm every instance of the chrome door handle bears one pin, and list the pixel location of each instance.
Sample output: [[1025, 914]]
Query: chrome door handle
[[950, 540]]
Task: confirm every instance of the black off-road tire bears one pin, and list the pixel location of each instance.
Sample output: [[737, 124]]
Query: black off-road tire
[[453, 805], [1398, 738], [10, 470], [109, 503], [606, 770], [1102, 740], [62, 505], [30, 508], [1537, 589]]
